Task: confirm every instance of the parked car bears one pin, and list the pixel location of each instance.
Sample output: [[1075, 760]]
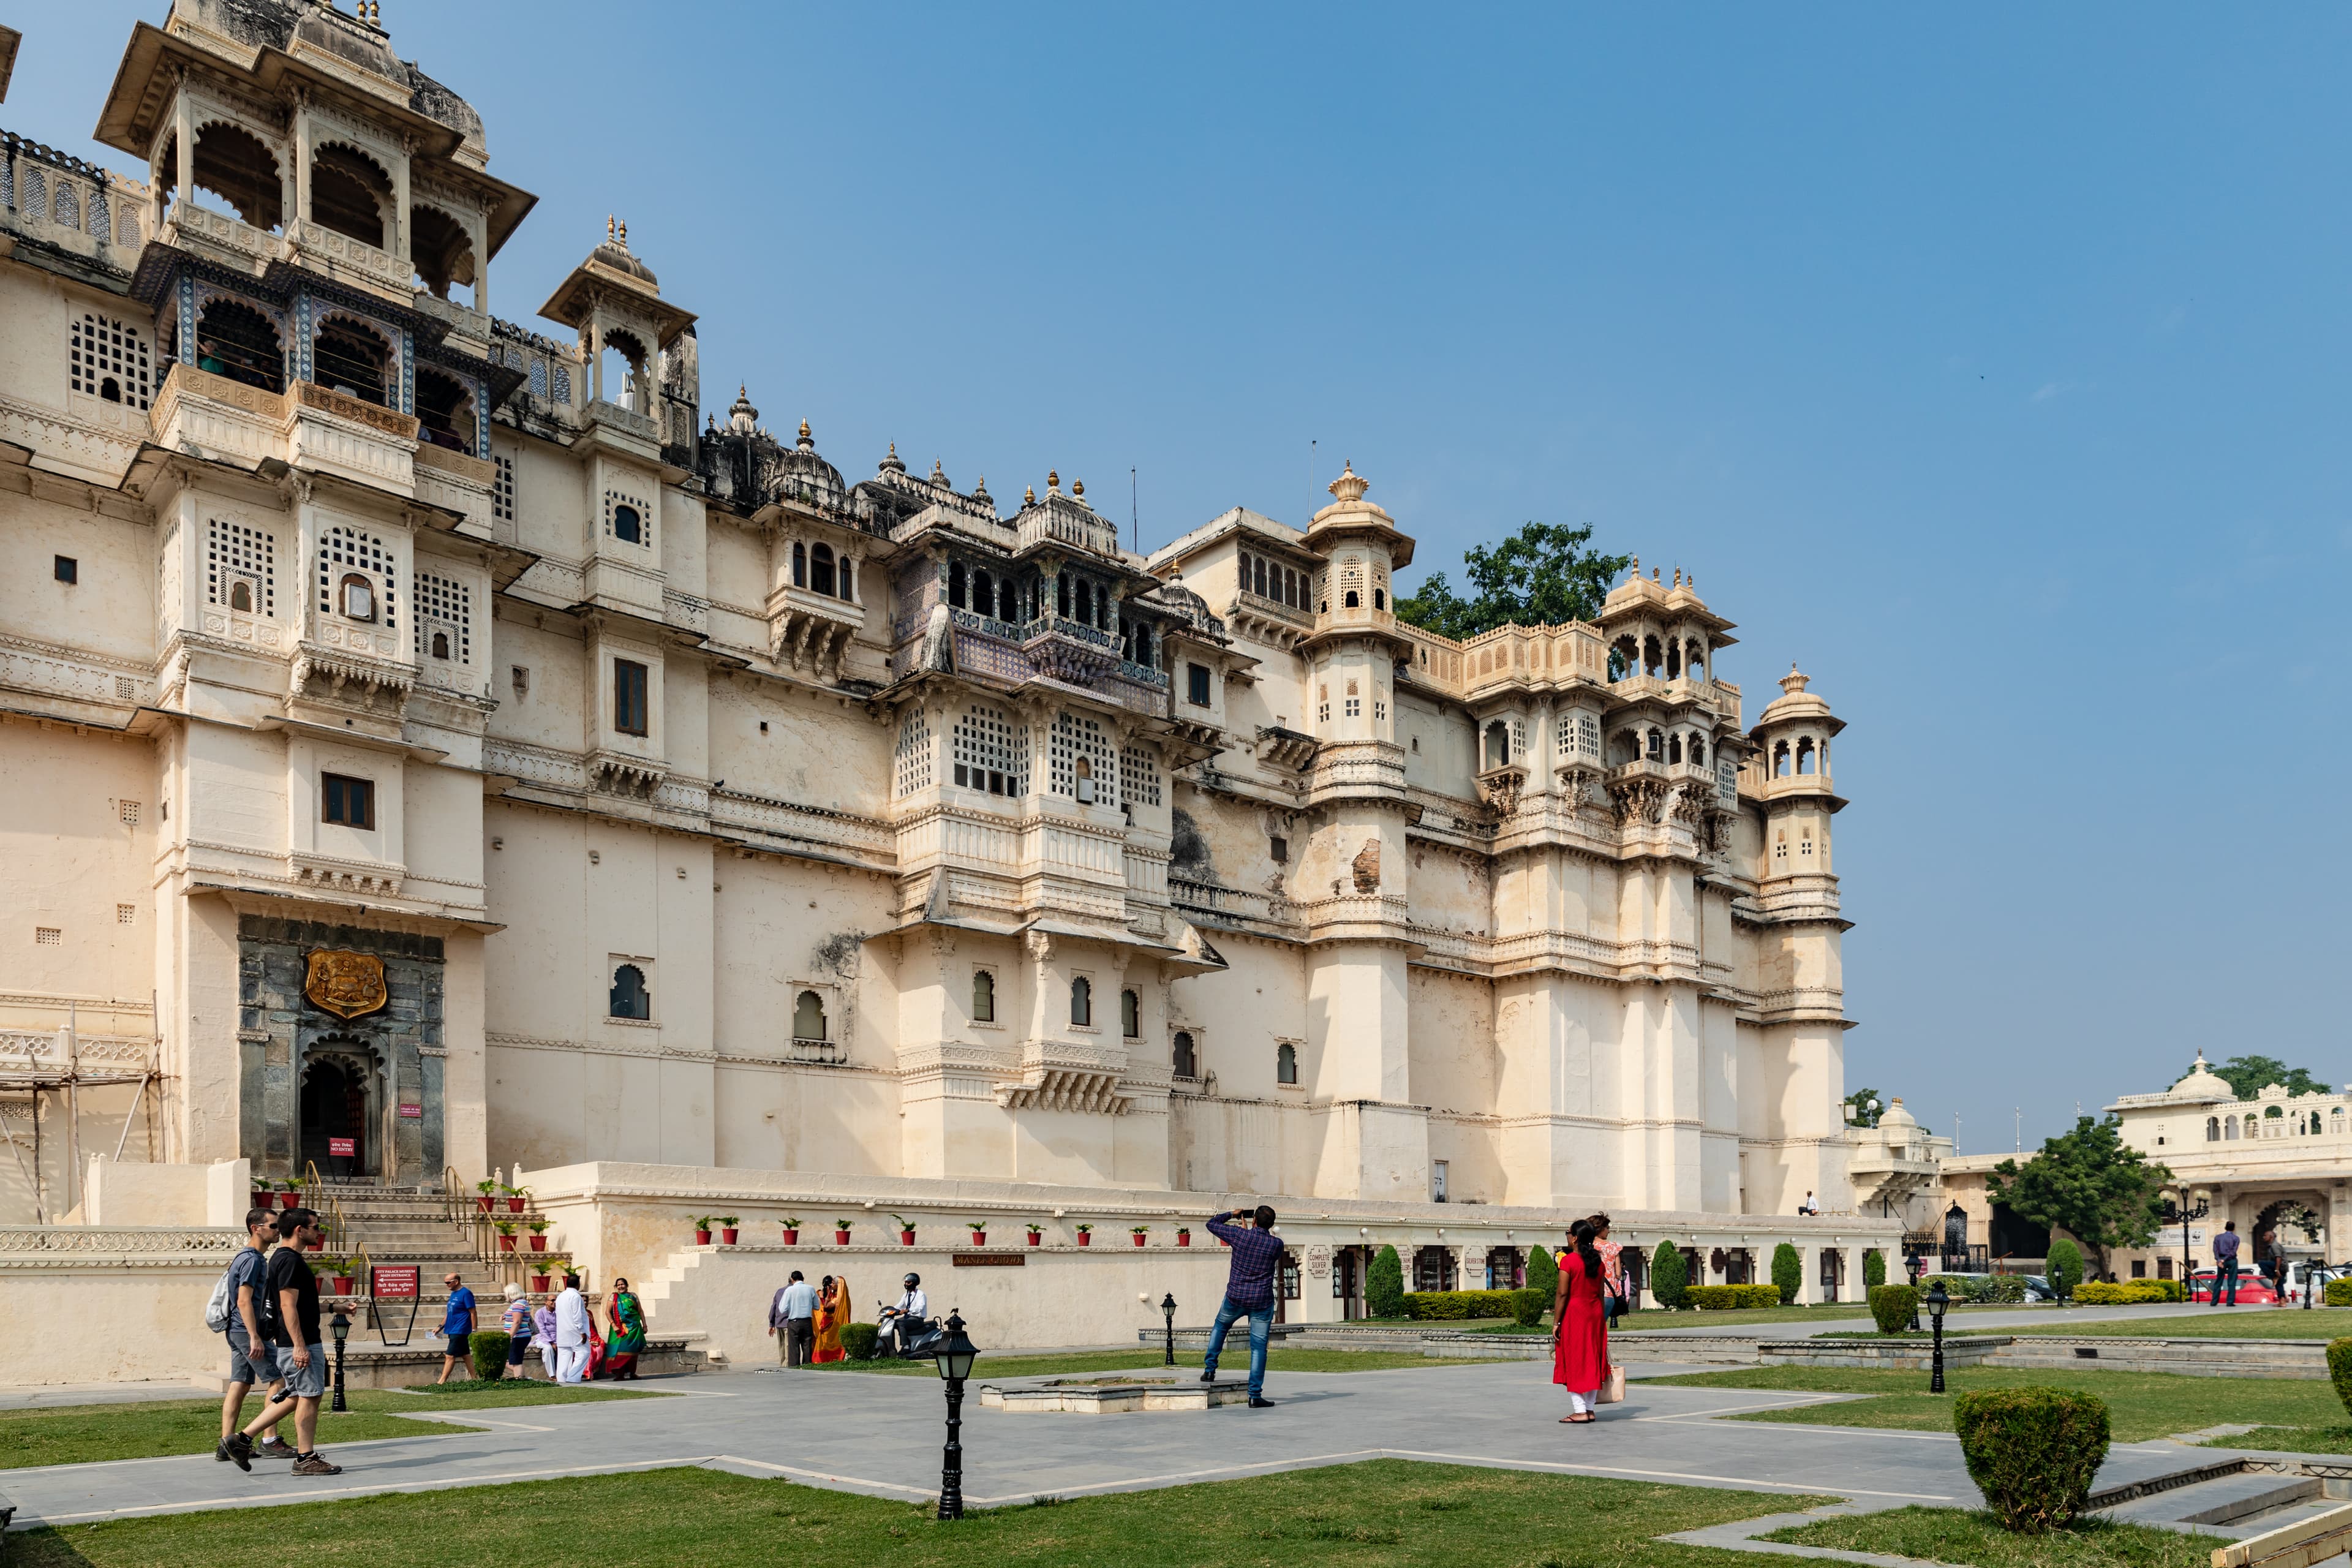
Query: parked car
[[2039, 1288], [2254, 1290]]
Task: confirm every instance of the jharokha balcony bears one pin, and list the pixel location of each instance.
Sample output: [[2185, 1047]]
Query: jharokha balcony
[[306, 426]]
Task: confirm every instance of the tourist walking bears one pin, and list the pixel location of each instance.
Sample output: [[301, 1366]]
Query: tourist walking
[[292, 1291], [2225, 1263], [543, 1335], [1249, 1293], [832, 1313], [517, 1325], [1580, 1361], [628, 1339], [1614, 1297], [251, 1358], [570, 1333], [457, 1329], [791, 1320]]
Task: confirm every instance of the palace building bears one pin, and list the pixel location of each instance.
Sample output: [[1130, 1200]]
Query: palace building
[[438, 749]]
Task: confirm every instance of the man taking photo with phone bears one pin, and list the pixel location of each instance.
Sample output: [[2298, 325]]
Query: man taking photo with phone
[[1249, 1292]]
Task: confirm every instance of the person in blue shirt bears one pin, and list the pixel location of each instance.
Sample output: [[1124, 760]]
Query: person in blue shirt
[[457, 1328], [1249, 1292], [2225, 1264]]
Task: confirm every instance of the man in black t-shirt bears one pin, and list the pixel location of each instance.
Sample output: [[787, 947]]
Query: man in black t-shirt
[[292, 1292]]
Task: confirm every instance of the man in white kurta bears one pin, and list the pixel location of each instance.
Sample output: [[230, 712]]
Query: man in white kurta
[[570, 1333]]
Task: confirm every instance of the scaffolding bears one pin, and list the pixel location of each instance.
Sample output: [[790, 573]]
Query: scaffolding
[[38, 1064]]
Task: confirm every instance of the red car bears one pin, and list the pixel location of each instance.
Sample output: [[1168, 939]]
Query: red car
[[2254, 1290]]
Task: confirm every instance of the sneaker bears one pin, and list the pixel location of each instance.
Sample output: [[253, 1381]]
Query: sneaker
[[276, 1449], [316, 1465], [1210, 1375], [1257, 1404], [237, 1449]]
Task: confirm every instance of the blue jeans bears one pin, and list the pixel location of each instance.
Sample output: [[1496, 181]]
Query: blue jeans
[[1261, 1324], [2226, 1270]]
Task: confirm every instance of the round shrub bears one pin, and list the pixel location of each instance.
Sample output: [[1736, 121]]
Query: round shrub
[[1384, 1285], [1788, 1272], [1873, 1269], [2032, 1452], [1529, 1306], [2063, 1268], [858, 1340], [2339, 1293], [1667, 1276], [1892, 1306], [1543, 1275], [2339, 1369], [488, 1351]]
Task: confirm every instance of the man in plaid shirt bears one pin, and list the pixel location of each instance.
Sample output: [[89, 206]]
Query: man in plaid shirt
[[1249, 1292]]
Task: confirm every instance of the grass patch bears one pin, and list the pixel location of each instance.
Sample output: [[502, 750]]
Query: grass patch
[[2217, 1323], [1382, 1513], [1974, 1536], [85, 1434], [2322, 1439], [2140, 1404], [1690, 1318], [1234, 1362]]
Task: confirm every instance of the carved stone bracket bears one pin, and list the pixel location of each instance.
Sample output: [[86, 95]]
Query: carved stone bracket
[[1500, 787], [1639, 799]]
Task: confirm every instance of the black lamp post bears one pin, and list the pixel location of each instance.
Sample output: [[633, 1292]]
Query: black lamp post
[[341, 1328], [955, 1355], [1167, 1310], [1915, 1262], [1937, 1303], [2184, 1213]]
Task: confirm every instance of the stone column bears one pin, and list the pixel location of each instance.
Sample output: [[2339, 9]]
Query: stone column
[[301, 138], [400, 201], [184, 132]]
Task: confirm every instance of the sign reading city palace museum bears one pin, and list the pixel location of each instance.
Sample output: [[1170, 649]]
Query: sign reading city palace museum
[[345, 984]]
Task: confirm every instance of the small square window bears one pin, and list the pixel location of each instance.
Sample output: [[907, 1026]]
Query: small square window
[[629, 697], [126, 914], [520, 680], [1196, 685], [1280, 848], [127, 812], [347, 802], [68, 569], [47, 936]]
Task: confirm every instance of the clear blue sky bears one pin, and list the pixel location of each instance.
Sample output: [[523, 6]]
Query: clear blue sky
[[1988, 364]]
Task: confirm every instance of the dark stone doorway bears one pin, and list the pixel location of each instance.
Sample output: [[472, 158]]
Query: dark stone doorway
[[335, 1105]]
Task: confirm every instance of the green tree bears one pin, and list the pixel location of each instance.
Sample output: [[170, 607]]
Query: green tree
[[1543, 1275], [1668, 1278], [2249, 1076], [2103, 1192], [2063, 1267], [1873, 1269], [1539, 576], [1863, 1108], [1788, 1272], [1384, 1285]]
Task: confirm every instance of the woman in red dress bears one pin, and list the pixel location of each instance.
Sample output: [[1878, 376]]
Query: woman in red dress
[[1581, 1339]]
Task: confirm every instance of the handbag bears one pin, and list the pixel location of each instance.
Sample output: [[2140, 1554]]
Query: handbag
[[1613, 1387]]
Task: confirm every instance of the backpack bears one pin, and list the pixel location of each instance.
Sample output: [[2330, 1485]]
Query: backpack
[[220, 1311]]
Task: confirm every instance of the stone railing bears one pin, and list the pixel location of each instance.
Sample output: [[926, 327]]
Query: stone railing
[[373, 265], [48, 1050], [56, 1244], [62, 199], [477, 471], [641, 425], [359, 411]]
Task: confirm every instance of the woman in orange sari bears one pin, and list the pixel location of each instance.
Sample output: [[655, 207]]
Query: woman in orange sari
[[832, 1313]]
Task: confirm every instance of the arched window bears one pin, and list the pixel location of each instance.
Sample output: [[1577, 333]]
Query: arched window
[[955, 584], [1695, 661], [1805, 755], [1257, 568], [1674, 747], [240, 595], [1008, 603], [1353, 600], [984, 996], [1380, 599], [1655, 748], [441, 251], [1498, 745], [1188, 1063], [1086, 602], [2249, 1126], [355, 597], [440, 645], [1697, 751], [235, 166], [2212, 1130], [808, 1017], [1082, 1002], [445, 411], [1285, 1063], [1779, 759], [1062, 596], [2230, 1129], [848, 581], [1130, 1015], [800, 565], [628, 526], [352, 359], [630, 999], [236, 340], [1673, 661], [1653, 656], [821, 570], [349, 194], [622, 364], [983, 593]]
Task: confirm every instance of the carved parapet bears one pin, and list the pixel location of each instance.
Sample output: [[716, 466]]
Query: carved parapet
[[1500, 787], [328, 873], [1066, 1074], [615, 773], [351, 664], [1356, 768]]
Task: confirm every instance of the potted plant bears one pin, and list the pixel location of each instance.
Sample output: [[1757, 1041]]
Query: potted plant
[[490, 1194], [289, 1194], [1036, 1233], [791, 1230], [506, 1229], [539, 1282], [906, 1230], [516, 1198], [1139, 1232], [702, 1230], [537, 1234], [1184, 1235], [841, 1233], [979, 1232], [264, 1195], [727, 1229], [1085, 1234], [330, 1279]]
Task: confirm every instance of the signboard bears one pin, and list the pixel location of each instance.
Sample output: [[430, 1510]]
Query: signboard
[[412, 1112], [343, 1148], [990, 1259], [394, 1282]]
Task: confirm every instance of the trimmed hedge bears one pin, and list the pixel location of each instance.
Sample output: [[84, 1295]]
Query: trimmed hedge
[[1892, 1306], [858, 1340], [488, 1351], [1788, 1272], [1729, 1298], [1668, 1278], [1543, 1274], [2339, 1368], [1452, 1306], [2063, 1267], [1384, 1285], [1529, 1306], [2339, 1293], [1979, 1287], [2126, 1292], [1873, 1269], [2032, 1452]]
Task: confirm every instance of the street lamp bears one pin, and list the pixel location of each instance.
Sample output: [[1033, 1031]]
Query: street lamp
[[1937, 1301], [1167, 1310], [1914, 1263], [342, 1329], [2182, 1212], [955, 1355]]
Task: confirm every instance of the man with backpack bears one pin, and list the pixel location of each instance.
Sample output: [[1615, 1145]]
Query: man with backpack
[[235, 1312], [292, 1290]]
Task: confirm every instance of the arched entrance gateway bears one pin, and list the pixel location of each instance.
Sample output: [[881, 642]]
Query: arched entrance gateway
[[340, 1108]]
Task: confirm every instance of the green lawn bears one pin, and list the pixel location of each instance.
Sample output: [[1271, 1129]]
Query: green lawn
[[1233, 1363], [81, 1434], [2219, 1323], [1383, 1513], [2140, 1404], [1973, 1536], [1657, 1317]]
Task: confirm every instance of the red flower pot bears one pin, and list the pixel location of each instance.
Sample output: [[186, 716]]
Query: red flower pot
[[488, 1203], [906, 1238], [726, 1236], [1086, 1239], [539, 1282], [841, 1238], [1139, 1241], [514, 1206], [701, 1239], [1183, 1239], [506, 1244], [539, 1244], [339, 1285], [289, 1200], [1036, 1236], [791, 1238], [980, 1238], [263, 1201]]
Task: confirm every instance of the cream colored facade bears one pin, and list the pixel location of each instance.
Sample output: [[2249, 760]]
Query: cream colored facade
[[715, 814]]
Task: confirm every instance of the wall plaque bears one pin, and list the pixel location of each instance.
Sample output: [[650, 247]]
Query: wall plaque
[[348, 985], [990, 1259]]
